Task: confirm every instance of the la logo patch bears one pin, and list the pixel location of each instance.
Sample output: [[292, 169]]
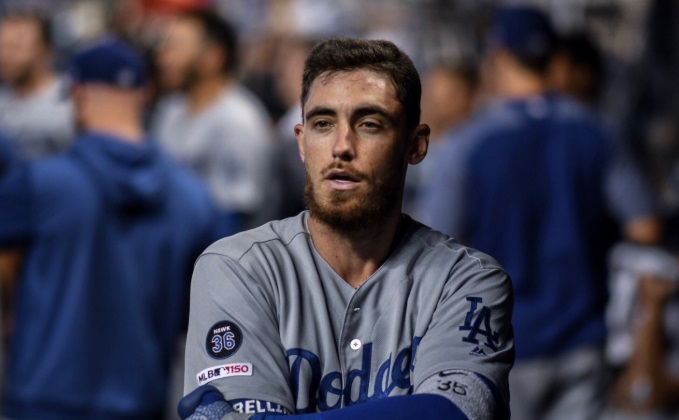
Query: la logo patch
[[477, 322]]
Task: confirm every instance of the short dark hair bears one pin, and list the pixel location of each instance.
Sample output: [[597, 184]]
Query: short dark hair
[[218, 30], [42, 22], [583, 51], [336, 55]]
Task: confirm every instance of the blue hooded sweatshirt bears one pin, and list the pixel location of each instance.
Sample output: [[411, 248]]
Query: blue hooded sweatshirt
[[110, 231], [6, 153]]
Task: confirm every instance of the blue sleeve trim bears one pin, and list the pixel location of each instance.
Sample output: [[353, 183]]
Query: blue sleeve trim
[[205, 401], [404, 407], [208, 403]]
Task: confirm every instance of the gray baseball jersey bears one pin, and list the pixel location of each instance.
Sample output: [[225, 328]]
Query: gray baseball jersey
[[41, 124], [270, 320], [227, 145]]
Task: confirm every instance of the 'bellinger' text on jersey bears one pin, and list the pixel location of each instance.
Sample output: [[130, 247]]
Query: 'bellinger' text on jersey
[[271, 321]]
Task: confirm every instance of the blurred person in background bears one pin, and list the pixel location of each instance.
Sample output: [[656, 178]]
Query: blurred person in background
[[449, 93], [643, 342], [210, 123], [530, 180], [289, 67], [6, 153], [576, 68], [643, 333], [35, 111], [110, 230]]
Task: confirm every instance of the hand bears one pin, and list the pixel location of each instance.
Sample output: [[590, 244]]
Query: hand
[[637, 392]]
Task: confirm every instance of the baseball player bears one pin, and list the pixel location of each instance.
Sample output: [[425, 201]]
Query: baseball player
[[326, 314]]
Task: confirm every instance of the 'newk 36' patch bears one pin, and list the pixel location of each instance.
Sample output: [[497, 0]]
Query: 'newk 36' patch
[[223, 339]]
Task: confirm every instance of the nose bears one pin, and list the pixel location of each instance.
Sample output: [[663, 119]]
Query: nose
[[344, 147]]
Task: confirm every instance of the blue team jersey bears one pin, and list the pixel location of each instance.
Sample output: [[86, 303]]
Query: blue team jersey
[[110, 232], [531, 182]]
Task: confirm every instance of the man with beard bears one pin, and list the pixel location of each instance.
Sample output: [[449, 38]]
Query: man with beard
[[35, 112], [351, 302], [211, 123]]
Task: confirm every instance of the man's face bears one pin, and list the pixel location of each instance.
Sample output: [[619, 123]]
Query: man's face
[[355, 149], [22, 50], [178, 56]]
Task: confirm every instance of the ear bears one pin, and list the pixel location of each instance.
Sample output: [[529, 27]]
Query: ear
[[299, 134], [419, 144]]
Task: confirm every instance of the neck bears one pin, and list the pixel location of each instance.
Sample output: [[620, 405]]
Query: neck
[[204, 92], [355, 256], [128, 132], [34, 84], [518, 83]]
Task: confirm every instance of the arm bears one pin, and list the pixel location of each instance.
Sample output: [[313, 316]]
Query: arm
[[468, 349], [6, 154], [221, 290], [630, 198], [207, 403], [644, 384], [233, 342], [15, 231], [15, 210]]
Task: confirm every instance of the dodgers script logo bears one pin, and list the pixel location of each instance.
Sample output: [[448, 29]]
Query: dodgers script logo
[[479, 326], [328, 392]]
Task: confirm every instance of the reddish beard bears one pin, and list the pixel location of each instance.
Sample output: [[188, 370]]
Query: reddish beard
[[351, 210]]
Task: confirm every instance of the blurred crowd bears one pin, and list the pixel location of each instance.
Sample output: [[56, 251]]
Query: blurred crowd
[[216, 93]]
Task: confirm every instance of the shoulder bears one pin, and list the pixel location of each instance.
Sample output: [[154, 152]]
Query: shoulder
[[61, 191], [570, 112], [168, 106], [60, 174], [275, 238], [445, 247], [442, 255], [6, 95], [493, 120], [241, 107]]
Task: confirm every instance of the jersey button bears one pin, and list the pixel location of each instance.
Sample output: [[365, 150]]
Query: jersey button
[[355, 344]]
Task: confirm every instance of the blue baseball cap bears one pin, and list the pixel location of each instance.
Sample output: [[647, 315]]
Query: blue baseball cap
[[523, 31], [108, 62]]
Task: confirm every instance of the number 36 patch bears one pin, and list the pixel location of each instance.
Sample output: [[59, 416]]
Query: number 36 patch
[[223, 339]]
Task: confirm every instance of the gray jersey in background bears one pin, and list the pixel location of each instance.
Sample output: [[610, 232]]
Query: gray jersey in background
[[38, 125], [228, 145], [270, 320]]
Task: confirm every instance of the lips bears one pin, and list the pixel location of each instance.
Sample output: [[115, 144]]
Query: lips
[[341, 175], [341, 178]]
